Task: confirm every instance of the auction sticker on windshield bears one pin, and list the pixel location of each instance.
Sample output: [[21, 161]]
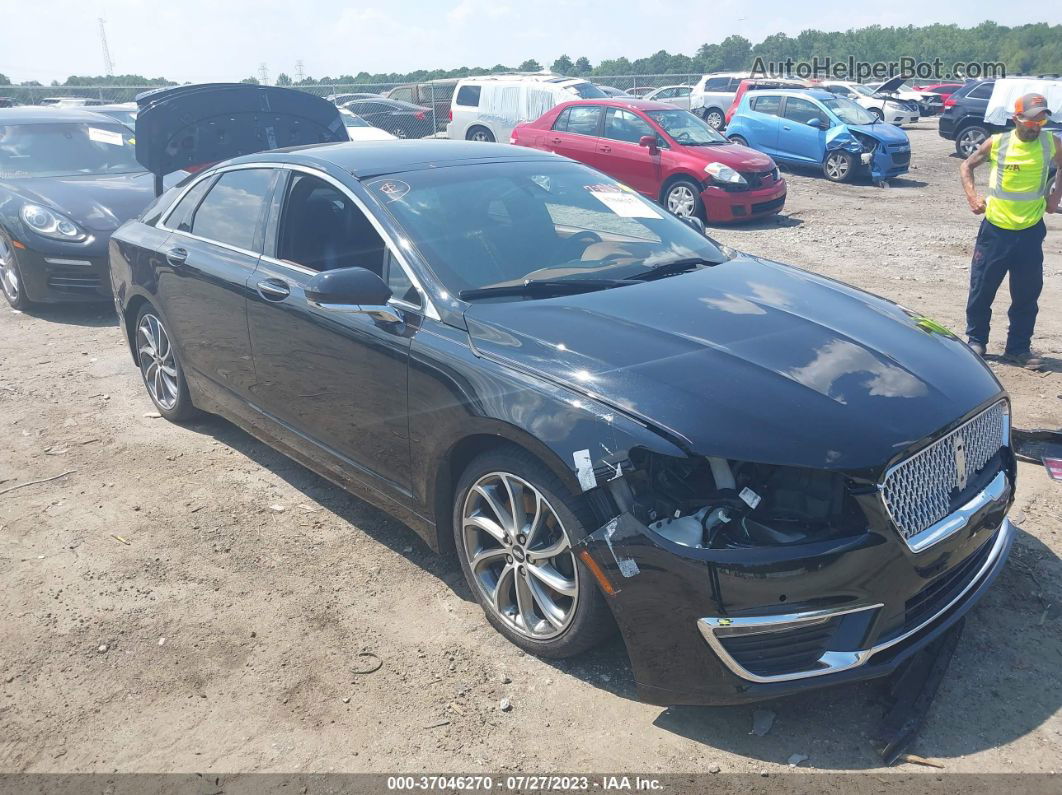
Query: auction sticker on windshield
[[105, 136], [622, 203]]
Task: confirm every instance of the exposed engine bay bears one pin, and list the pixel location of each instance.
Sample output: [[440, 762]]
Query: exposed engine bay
[[713, 503]]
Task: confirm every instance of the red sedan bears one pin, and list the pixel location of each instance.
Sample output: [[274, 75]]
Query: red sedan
[[663, 152]]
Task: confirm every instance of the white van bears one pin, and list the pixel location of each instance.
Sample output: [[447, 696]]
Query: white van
[[487, 108]]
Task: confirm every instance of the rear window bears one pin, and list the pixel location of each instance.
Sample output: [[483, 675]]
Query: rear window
[[468, 95], [765, 104], [717, 84], [587, 91]]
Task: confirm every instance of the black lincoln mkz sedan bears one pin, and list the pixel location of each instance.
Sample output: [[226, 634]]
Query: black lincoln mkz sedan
[[769, 480]]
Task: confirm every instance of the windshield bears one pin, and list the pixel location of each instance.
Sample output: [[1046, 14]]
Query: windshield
[[859, 88], [500, 224], [686, 128], [587, 91], [66, 149], [848, 111], [126, 117]]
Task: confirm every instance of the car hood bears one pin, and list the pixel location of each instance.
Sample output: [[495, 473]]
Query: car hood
[[97, 203], [737, 157], [748, 360], [886, 133]]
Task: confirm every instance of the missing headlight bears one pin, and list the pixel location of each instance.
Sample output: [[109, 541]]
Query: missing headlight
[[712, 503]]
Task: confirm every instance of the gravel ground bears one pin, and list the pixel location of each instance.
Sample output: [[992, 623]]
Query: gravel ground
[[186, 599]]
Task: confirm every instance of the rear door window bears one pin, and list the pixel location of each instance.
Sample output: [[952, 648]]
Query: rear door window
[[717, 84], [404, 94], [768, 105], [232, 211], [469, 96], [583, 119]]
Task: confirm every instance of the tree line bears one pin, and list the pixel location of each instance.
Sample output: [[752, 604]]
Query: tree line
[[1025, 49]]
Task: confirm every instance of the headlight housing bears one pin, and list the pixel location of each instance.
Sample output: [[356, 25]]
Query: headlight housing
[[50, 224], [869, 144], [721, 173]]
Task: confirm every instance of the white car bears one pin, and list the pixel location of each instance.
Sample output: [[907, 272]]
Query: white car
[[360, 130], [885, 108], [927, 102], [679, 96], [713, 94], [487, 108]]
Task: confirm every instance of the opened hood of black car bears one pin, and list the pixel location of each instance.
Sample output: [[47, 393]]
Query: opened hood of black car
[[187, 126], [748, 360]]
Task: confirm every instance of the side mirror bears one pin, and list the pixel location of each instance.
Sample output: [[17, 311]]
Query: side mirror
[[695, 223], [649, 141], [817, 123], [354, 290]]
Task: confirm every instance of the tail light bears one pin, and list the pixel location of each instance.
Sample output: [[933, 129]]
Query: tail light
[[950, 102], [420, 115], [450, 114]]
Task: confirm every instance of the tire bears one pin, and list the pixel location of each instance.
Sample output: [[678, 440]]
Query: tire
[[682, 198], [477, 132], [839, 166], [969, 139], [714, 118], [562, 620], [877, 114], [11, 282], [737, 139], [161, 371]]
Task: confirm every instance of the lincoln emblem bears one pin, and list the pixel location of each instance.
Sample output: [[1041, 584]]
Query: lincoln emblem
[[959, 447]]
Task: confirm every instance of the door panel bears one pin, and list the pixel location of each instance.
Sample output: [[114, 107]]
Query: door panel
[[619, 155], [797, 139], [336, 378], [762, 123], [575, 133]]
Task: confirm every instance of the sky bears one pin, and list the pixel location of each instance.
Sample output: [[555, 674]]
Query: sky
[[205, 40]]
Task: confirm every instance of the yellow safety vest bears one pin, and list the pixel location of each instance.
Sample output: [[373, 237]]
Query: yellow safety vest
[[1017, 184]]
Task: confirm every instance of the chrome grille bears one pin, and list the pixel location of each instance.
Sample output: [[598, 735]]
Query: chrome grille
[[918, 492]]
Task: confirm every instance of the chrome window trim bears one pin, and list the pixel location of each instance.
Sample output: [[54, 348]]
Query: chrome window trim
[[831, 662], [428, 309]]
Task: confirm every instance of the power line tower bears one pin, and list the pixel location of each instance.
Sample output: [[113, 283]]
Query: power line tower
[[300, 73], [263, 74], [108, 64]]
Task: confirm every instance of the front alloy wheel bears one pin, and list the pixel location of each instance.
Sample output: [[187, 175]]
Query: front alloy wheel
[[161, 370], [838, 166], [520, 556], [10, 282], [715, 119]]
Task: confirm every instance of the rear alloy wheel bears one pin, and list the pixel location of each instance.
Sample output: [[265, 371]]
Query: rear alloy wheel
[[839, 166], [683, 198], [715, 118], [480, 133], [514, 533], [10, 277], [160, 369], [970, 139], [737, 139]]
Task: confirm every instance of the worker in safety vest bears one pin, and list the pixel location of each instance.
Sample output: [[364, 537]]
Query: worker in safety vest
[[1012, 232]]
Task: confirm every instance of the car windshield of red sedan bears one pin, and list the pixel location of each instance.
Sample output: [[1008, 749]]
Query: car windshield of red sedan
[[686, 128], [65, 149], [504, 224]]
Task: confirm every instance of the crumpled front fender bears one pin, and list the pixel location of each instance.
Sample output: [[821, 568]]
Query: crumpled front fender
[[841, 138]]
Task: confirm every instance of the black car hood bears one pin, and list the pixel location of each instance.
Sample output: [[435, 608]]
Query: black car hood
[[185, 126], [98, 203], [749, 360]]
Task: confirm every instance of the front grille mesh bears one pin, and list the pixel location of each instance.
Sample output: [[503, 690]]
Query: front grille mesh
[[919, 491]]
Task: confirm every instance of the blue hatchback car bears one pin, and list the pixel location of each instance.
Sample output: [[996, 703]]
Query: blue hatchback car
[[816, 128]]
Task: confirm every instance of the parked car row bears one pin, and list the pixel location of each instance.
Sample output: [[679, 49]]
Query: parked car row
[[964, 122], [610, 419]]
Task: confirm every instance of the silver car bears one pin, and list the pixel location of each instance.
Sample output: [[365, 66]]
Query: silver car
[[679, 96]]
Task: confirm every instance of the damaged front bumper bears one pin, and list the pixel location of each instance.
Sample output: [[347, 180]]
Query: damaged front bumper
[[725, 626]]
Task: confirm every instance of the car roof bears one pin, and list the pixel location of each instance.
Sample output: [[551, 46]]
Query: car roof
[[807, 93], [38, 114], [622, 102], [365, 159]]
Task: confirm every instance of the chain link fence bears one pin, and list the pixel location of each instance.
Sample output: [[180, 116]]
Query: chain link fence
[[433, 96]]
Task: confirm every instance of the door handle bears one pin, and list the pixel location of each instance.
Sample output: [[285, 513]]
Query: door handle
[[604, 149], [786, 127], [177, 256], [273, 289], [554, 140]]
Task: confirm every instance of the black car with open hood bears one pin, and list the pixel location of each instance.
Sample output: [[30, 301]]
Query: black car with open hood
[[768, 480]]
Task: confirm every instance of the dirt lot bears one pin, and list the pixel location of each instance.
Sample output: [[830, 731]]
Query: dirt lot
[[186, 599]]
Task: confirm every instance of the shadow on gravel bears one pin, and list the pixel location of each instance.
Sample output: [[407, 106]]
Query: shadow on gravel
[[367, 518], [98, 315], [770, 222]]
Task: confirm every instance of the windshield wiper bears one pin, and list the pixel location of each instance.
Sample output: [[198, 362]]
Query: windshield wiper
[[674, 266], [543, 287]]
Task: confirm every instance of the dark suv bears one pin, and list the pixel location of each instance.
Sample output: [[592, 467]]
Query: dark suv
[[963, 120], [435, 94]]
